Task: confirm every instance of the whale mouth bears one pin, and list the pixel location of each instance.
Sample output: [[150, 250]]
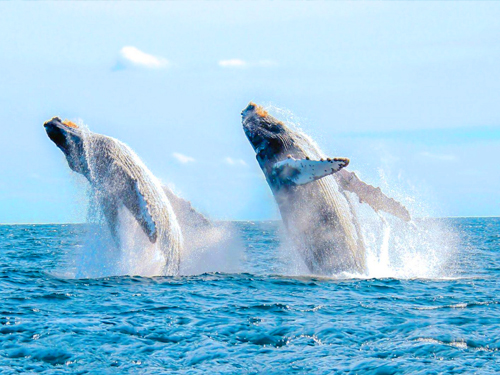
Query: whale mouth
[[54, 130], [60, 131], [267, 135], [258, 122]]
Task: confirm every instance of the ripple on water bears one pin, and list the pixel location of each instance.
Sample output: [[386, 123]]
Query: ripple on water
[[255, 322]]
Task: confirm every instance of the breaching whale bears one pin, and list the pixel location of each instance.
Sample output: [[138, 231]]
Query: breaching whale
[[311, 194], [120, 179]]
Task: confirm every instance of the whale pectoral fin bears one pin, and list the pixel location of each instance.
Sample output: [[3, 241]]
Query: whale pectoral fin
[[110, 211], [137, 204], [303, 171], [372, 195]]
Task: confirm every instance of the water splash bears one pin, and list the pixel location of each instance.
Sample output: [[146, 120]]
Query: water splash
[[217, 248], [422, 249], [100, 256]]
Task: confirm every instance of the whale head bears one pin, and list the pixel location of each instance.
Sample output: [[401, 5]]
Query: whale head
[[68, 137], [271, 139]]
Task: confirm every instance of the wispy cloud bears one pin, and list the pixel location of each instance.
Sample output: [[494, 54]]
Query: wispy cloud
[[184, 159], [442, 157], [137, 57], [232, 161], [233, 63], [238, 63]]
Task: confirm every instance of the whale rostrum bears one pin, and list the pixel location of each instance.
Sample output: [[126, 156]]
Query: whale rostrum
[[120, 179], [311, 194]]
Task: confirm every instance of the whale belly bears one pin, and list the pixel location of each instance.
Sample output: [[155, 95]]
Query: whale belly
[[122, 179], [322, 226]]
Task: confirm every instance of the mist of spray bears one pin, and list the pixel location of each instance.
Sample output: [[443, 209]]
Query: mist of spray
[[216, 248]]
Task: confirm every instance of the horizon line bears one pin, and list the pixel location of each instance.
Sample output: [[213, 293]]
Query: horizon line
[[263, 220]]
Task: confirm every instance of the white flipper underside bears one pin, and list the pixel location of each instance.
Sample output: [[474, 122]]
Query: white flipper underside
[[303, 171]]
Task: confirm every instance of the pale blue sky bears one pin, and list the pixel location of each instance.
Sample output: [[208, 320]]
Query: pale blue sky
[[409, 91]]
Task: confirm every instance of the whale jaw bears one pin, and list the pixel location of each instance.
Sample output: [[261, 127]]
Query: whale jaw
[[56, 133], [68, 137], [65, 134]]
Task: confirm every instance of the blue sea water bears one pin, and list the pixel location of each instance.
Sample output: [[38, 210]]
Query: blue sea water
[[257, 321]]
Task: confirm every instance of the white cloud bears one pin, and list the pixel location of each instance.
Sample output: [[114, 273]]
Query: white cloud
[[232, 161], [238, 63], [183, 158], [137, 57], [443, 157], [233, 63]]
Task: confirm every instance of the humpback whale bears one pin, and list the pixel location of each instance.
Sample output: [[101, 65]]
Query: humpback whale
[[120, 180], [311, 194]]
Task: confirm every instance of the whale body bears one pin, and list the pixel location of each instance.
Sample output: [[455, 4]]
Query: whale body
[[311, 194], [120, 180]]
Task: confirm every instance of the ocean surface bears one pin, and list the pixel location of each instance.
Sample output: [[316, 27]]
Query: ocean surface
[[261, 318]]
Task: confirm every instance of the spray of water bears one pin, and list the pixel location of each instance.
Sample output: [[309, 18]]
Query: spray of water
[[100, 257], [213, 249], [216, 248]]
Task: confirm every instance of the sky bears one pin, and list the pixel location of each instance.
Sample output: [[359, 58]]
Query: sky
[[409, 91]]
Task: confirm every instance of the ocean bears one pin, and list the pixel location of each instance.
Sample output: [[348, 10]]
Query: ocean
[[257, 316]]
